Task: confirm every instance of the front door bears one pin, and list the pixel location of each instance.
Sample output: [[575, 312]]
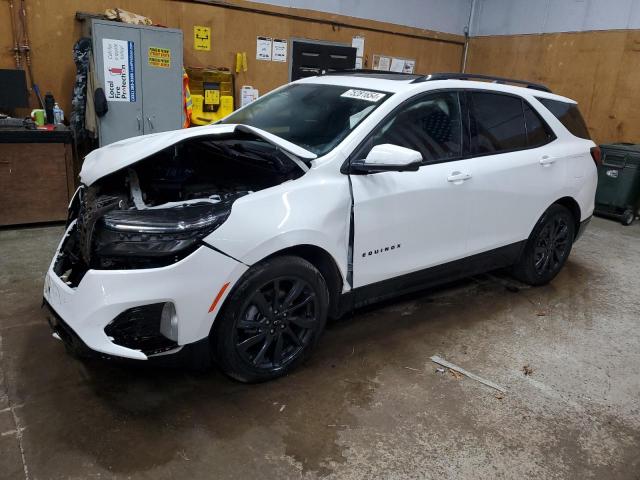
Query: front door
[[405, 222]]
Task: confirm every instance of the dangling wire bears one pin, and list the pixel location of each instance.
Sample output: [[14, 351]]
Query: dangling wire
[[16, 47], [25, 47]]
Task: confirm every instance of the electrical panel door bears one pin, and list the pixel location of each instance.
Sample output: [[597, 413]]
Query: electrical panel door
[[116, 53], [140, 70], [161, 80]]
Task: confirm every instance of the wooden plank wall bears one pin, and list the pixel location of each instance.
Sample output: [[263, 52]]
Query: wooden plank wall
[[600, 70], [53, 31]]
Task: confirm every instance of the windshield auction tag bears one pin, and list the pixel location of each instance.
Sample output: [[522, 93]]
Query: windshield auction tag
[[367, 95]]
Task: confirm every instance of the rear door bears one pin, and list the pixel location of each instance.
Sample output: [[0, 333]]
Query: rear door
[[515, 173], [405, 222]]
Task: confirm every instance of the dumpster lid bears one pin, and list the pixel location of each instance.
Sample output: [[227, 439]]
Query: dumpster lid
[[627, 147]]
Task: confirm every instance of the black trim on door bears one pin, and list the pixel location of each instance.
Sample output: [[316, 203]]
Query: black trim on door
[[463, 94], [467, 102], [345, 168], [430, 277]]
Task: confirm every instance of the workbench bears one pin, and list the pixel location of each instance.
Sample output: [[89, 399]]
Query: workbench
[[37, 175]]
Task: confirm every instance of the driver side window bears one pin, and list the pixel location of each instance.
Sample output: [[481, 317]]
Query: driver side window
[[431, 125]]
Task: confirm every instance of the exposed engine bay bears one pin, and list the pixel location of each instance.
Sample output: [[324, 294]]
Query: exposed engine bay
[[157, 211]]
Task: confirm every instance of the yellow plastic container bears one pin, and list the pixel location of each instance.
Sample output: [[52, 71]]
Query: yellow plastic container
[[211, 94]]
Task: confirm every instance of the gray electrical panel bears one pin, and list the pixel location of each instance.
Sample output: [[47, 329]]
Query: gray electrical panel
[[140, 70]]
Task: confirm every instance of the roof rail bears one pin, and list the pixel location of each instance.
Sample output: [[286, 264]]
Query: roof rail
[[361, 71], [476, 76]]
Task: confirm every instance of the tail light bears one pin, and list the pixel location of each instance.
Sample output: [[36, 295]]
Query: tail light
[[596, 154]]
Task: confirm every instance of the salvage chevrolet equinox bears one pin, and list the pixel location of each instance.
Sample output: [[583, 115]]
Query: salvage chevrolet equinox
[[234, 242]]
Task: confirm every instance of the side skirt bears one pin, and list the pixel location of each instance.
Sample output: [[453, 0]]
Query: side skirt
[[432, 276]]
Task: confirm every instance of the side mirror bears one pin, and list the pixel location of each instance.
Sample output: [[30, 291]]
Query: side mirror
[[388, 158]]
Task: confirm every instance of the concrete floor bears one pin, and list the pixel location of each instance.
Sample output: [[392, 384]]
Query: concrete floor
[[369, 404]]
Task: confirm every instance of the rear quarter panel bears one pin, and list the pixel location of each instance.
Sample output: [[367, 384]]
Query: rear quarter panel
[[581, 177]]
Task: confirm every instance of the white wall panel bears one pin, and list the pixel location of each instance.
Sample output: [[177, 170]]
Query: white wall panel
[[509, 17], [492, 17], [565, 15], [634, 16], [448, 16], [608, 15]]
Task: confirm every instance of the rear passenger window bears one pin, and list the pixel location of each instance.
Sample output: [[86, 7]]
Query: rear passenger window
[[569, 115], [432, 125], [497, 123], [538, 132]]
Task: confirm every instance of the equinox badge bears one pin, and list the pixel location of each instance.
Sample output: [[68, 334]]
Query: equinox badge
[[381, 250]]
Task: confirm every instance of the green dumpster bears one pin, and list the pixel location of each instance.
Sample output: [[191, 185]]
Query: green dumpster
[[618, 182]]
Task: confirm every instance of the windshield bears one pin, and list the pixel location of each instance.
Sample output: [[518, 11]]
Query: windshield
[[315, 117]]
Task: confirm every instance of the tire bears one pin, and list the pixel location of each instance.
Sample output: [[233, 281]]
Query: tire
[[628, 217], [547, 248], [259, 335]]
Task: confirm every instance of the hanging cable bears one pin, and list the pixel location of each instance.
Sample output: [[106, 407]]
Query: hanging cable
[[16, 47], [24, 46]]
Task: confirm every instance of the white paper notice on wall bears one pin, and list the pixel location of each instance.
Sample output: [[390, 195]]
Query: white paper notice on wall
[[358, 63], [279, 52], [247, 95], [263, 48], [397, 65], [119, 70], [381, 63], [409, 66], [357, 42]]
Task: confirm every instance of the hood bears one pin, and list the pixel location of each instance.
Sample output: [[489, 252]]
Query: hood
[[118, 155]]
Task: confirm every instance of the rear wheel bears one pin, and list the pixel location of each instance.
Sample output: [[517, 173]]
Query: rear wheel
[[272, 320], [547, 248]]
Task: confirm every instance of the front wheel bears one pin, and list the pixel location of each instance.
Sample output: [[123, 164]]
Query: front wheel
[[547, 248], [272, 320]]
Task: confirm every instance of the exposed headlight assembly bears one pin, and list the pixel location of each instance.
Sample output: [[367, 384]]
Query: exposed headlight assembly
[[155, 237]]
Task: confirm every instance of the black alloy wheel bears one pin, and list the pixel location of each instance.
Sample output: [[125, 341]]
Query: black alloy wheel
[[271, 320], [551, 245], [547, 248], [277, 323]]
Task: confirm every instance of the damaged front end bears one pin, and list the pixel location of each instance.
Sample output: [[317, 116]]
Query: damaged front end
[[154, 212]]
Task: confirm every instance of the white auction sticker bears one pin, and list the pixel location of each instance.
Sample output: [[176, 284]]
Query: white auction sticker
[[367, 95]]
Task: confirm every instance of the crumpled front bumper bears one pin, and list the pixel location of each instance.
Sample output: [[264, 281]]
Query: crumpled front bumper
[[191, 284]]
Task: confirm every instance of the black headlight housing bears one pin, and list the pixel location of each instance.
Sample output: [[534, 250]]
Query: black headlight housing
[[154, 237]]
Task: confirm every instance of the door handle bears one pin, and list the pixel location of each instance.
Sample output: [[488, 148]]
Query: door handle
[[547, 160], [458, 177], [139, 123], [150, 123]]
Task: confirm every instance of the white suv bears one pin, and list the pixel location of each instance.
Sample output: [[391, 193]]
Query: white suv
[[236, 241]]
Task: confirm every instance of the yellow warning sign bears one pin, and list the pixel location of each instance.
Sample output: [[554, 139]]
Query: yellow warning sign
[[159, 57], [201, 38], [212, 97]]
